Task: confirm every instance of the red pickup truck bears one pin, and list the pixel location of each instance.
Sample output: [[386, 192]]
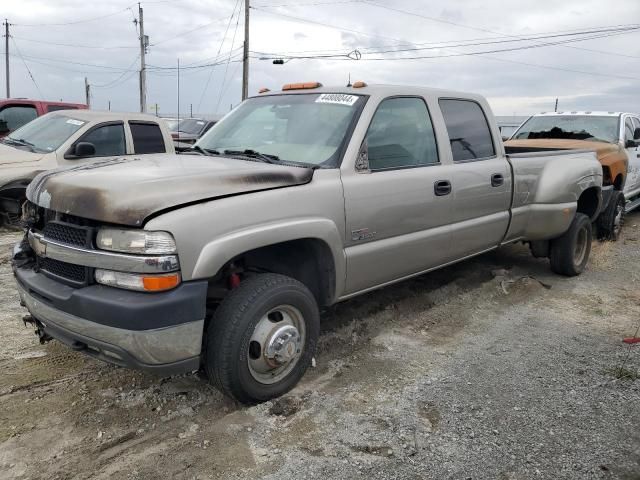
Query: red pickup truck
[[15, 112]]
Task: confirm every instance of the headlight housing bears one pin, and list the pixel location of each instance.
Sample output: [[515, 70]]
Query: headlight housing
[[134, 281], [135, 241]]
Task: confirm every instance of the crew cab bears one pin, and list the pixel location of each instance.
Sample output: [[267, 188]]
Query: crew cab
[[296, 200], [16, 112], [72, 137], [615, 138]]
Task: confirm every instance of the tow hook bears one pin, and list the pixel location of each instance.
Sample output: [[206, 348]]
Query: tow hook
[[40, 333]]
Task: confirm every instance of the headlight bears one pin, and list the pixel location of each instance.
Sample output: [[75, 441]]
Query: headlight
[[136, 241], [134, 281]]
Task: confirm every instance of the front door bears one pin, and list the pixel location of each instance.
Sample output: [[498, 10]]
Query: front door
[[632, 185], [397, 211]]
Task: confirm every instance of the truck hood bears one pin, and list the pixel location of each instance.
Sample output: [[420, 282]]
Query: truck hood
[[10, 155], [602, 149], [128, 190]]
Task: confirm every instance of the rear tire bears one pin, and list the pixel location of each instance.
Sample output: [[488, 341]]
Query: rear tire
[[609, 223], [262, 338], [570, 251]]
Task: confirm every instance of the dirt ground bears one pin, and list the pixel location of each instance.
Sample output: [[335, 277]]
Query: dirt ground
[[491, 369]]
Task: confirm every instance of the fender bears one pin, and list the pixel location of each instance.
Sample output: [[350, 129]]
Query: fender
[[218, 252]]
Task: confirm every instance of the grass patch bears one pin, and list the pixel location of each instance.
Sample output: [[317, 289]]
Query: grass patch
[[624, 373]]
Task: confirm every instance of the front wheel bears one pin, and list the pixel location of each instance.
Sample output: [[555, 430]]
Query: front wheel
[[609, 223], [570, 251], [262, 338]]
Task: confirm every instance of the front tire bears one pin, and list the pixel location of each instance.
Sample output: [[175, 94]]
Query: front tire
[[262, 338], [570, 251], [609, 223]]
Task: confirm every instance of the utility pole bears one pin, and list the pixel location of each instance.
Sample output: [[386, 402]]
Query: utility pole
[[87, 92], [178, 94], [245, 54], [144, 43], [6, 55]]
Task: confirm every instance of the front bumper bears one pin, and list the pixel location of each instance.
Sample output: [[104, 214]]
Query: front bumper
[[161, 332]]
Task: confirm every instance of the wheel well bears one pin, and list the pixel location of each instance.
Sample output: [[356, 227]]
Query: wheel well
[[308, 260], [589, 202], [617, 183], [11, 196]]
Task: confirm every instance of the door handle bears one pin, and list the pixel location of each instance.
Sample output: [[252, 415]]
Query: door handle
[[442, 187], [497, 180]]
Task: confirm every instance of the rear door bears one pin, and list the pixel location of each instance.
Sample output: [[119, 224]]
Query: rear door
[[397, 211], [481, 179], [147, 137], [632, 185]]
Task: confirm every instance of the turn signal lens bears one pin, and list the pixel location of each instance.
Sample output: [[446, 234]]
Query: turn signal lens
[[141, 283], [159, 283]]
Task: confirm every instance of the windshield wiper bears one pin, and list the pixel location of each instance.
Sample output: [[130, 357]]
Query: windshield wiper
[[204, 151], [266, 158], [19, 141]]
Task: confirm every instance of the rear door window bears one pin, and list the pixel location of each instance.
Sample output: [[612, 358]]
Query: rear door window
[[401, 135], [17, 115], [108, 139], [468, 130], [147, 137]]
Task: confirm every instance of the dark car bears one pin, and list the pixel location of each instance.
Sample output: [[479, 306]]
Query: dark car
[[189, 130]]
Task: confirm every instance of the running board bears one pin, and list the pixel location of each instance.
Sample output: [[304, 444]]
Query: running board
[[632, 205]]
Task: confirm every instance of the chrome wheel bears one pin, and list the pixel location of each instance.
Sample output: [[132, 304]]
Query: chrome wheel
[[276, 344], [580, 249]]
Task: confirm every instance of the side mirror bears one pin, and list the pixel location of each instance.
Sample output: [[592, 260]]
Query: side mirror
[[631, 143], [84, 149], [4, 128]]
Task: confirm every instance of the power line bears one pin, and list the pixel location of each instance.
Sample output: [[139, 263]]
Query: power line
[[101, 47], [586, 35], [128, 71], [86, 20], [224, 37], [266, 5], [226, 68], [27, 67], [448, 22]]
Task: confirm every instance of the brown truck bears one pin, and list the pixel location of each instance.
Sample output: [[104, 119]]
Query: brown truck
[[614, 136]]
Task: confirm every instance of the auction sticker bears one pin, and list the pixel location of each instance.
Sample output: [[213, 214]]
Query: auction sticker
[[73, 121], [337, 98]]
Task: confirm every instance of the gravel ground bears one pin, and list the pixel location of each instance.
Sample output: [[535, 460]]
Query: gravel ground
[[491, 369]]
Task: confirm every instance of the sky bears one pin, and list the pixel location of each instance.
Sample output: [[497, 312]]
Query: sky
[[55, 44]]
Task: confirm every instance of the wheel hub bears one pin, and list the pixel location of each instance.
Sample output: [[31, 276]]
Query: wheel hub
[[284, 345]]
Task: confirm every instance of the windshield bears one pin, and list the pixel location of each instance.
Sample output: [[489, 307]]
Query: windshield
[[570, 127], [302, 128], [189, 125], [46, 133]]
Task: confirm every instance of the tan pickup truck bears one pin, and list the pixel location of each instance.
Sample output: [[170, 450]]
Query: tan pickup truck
[[296, 200], [615, 138]]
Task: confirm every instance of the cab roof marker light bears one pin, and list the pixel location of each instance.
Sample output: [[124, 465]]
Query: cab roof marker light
[[301, 86], [359, 84], [264, 90]]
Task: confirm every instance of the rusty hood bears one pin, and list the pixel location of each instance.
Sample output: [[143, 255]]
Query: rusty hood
[[127, 191]]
